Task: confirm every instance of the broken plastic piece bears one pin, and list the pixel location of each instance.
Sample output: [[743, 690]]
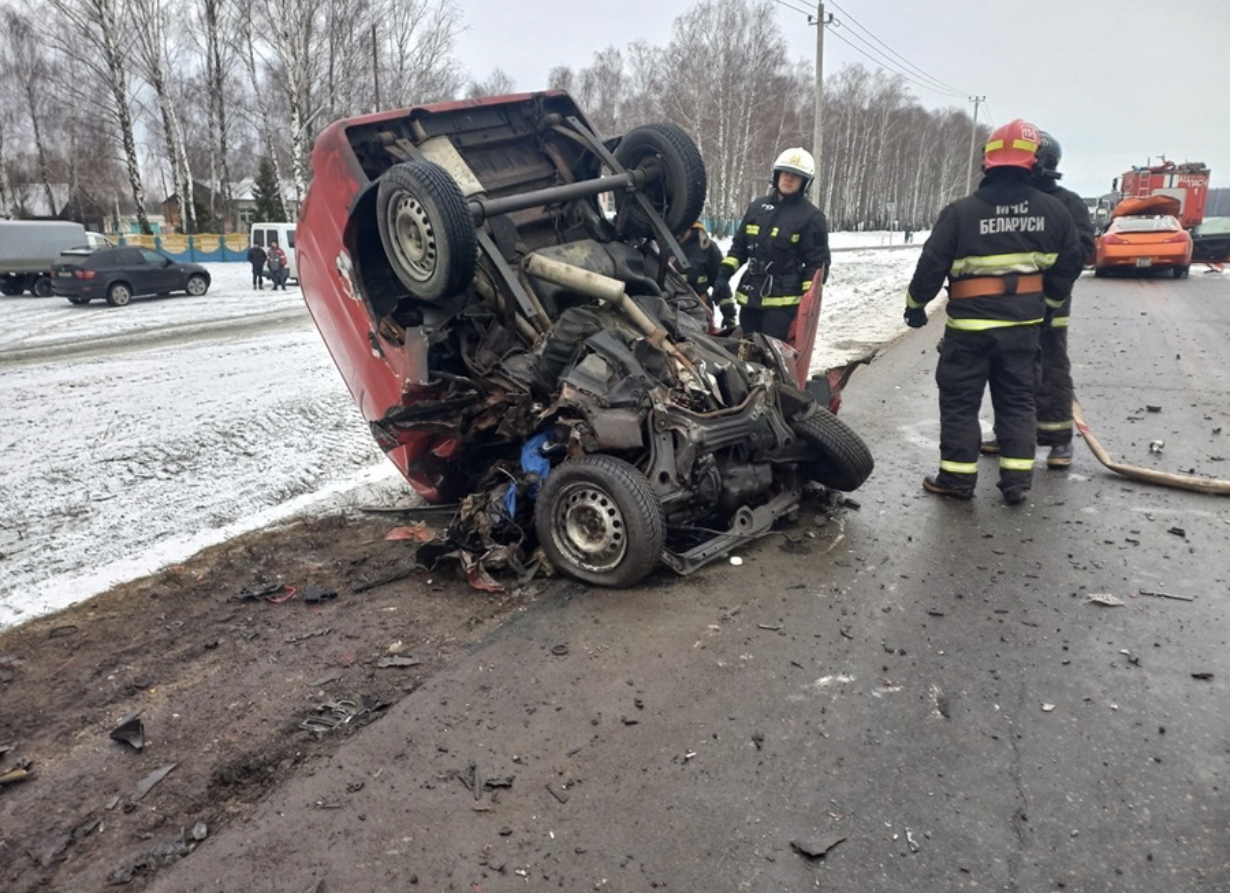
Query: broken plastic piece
[[816, 847], [144, 786], [1105, 598], [130, 732]]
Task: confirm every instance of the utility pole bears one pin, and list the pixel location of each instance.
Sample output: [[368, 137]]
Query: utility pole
[[819, 21], [973, 135]]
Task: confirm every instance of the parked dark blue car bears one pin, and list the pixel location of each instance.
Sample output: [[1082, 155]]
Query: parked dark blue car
[[117, 275]]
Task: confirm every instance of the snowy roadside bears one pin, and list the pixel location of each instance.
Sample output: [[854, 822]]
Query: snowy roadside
[[118, 464]]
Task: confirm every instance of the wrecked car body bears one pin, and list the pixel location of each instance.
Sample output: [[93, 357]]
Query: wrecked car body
[[519, 351]]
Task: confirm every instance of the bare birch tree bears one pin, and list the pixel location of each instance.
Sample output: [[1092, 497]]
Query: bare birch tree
[[93, 33], [25, 68]]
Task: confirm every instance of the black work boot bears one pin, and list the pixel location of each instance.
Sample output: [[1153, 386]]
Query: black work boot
[[931, 485], [989, 448], [1060, 456]]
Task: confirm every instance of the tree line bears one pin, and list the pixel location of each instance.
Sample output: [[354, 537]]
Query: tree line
[[125, 100]]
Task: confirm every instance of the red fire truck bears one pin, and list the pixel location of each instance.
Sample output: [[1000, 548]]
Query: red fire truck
[[1187, 183]]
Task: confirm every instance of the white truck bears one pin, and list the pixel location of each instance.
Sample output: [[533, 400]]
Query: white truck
[[29, 248]]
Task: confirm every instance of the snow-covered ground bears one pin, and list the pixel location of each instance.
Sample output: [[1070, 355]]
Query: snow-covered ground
[[132, 437]]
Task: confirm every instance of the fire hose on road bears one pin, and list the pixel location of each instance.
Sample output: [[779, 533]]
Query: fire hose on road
[[1148, 475]]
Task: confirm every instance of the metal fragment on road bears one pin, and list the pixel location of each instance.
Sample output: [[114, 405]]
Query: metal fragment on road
[[1048, 708], [1105, 598]]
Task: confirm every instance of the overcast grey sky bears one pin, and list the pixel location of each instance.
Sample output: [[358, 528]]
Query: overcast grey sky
[[1117, 82]]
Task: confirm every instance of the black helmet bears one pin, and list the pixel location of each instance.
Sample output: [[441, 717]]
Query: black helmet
[[1046, 159]]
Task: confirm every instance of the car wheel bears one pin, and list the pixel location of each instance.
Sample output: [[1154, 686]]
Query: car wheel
[[9, 290], [41, 287], [1101, 272], [197, 285], [599, 521], [426, 230], [77, 299], [679, 192], [1180, 272], [119, 294], [844, 461]]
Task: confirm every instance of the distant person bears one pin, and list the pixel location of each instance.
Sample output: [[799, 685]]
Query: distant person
[[783, 240], [1008, 253], [1054, 399], [257, 260], [276, 263], [704, 257], [908, 236]]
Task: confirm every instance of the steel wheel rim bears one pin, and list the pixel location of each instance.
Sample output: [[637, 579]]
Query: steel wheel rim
[[414, 240], [588, 528], [197, 286]]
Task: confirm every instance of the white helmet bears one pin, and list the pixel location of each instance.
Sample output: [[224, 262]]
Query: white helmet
[[795, 161]]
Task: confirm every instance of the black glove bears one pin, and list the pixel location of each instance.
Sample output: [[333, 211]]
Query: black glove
[[915, 317], [728, 316], [721, 292]]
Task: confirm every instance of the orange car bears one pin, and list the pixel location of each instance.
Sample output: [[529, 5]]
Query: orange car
[[1154, 242]]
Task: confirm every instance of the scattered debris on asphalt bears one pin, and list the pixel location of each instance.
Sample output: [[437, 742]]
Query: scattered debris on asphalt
[[914, 846], [816, 847], [1177, 531], [735, 560], [1204, 677], [1048, 708], [20, 772], [315, 595], [153, 859], [1106, 599], [130, 732], [311, 634], [1155, 446], [1152, 408], [1179, 598]]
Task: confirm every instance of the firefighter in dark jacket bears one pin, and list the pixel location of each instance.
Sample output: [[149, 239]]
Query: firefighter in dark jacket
[[783, 240], [1055, 388], [703, 257], [1009, 252]]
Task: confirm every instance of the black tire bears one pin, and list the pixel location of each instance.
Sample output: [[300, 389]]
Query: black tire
[[426, 230], [197, 285], [119, 294], [599, 521], [844, 461], [77, 299], [10, 290], [1101, 272], [679, 193], [1180, 272], [41, 287]]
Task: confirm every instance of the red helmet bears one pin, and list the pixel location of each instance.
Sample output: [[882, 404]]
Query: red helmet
[[1013, 145]]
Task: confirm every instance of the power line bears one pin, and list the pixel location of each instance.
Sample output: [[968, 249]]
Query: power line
[[928, 87], [948, 87], [798, 9]]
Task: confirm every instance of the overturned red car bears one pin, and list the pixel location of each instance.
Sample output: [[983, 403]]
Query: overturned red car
[[518, 351]]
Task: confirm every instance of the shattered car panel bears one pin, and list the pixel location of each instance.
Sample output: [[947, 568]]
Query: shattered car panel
[[476, 299]]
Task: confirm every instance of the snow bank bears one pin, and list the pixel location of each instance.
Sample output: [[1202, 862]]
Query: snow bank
[[132, 437]]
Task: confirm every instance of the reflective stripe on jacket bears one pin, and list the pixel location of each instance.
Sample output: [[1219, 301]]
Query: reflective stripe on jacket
[[783, 241], [1008, 229]]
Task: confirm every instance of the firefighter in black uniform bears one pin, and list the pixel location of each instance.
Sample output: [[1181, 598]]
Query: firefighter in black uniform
[[783, 240], [703, 257], [1009, 252], [1055, 389]]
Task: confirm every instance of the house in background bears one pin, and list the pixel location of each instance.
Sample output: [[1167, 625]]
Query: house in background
[[237, 218], [67, 203]]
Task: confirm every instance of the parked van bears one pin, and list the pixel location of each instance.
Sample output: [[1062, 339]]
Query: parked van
[[261, 235]]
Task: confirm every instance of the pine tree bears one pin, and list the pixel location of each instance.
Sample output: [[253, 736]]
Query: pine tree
[[267, 199]]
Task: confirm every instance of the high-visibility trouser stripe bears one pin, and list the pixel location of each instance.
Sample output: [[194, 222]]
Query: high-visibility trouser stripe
[[911, 303], [1059, 322], [1053, 304], [730, 262], [981, 325], [1055, 426], [806, 285], [958, 467], [1015, 464], [779, 301], [1003, 264]]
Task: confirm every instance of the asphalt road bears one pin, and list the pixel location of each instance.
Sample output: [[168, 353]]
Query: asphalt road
[[925, 681]]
